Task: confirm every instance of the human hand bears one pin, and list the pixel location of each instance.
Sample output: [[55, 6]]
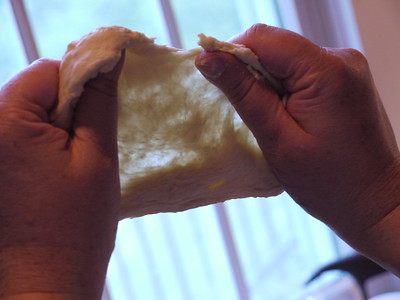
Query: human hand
[[59, 191], [331, 146]]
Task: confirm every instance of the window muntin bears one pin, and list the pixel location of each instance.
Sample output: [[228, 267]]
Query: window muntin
[[56, 23], [12, 58]]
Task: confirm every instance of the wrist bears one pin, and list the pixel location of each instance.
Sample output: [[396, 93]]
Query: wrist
[[375, 228], [381, 242], [44, 296], [28, 271]]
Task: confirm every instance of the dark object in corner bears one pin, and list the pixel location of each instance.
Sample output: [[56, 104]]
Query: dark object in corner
[[360, 267]]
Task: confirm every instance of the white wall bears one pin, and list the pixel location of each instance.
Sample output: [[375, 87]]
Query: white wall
[[379, 27]]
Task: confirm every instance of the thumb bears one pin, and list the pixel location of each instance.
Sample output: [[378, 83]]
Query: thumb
[[96, 115], [257, 103]]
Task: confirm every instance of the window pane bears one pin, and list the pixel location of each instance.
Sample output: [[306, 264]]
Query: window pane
[[194, 17], [278, 243], [219, 18], [56, 23], [171, 256], [12, 57]]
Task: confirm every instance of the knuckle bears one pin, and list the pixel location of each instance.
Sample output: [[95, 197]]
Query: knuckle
[[355, 59], [43, 60], [258, 29], [354, 54], [349, 64], [47, 62]]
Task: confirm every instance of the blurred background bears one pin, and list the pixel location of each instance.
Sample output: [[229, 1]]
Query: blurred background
[[243, 249]]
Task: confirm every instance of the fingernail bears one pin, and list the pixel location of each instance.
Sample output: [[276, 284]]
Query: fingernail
[[211, 67]]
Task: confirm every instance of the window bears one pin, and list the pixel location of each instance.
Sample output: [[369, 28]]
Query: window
[[243, 249]]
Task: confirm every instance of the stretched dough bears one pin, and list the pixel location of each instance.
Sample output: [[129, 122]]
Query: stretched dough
[[181, 144]]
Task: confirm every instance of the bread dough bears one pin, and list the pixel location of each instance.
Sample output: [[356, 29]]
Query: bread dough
[[181, 144]]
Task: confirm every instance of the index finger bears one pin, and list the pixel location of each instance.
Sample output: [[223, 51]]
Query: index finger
[[281, 52]]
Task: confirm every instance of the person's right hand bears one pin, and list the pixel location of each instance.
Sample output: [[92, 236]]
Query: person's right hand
[[331, 146]]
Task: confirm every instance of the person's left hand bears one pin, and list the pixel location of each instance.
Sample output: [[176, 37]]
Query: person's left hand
[[59, 191]]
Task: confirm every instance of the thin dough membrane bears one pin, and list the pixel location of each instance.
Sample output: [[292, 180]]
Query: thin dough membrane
[[181, 144]]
